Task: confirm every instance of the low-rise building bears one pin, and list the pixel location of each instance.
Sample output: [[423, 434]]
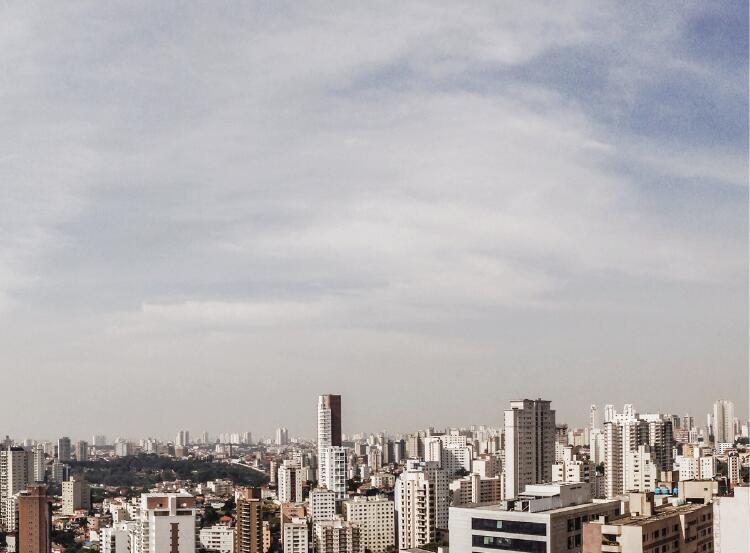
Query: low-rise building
[[545, 518], [674, 527]]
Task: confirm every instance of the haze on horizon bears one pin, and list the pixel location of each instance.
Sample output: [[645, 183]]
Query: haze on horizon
[[213, 213]]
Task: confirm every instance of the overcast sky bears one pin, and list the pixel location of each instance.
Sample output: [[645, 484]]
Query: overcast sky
[[213, 212]]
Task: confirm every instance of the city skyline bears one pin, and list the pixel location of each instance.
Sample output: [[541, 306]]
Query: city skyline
[[195, 434], [436, 208]]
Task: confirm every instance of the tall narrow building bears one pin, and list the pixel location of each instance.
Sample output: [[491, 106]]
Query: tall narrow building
[[63, 449], [34, 520], [248, 536], [529, 444], [329, 421], [332, 457], [16, 472], [723, 421], [421, 502]]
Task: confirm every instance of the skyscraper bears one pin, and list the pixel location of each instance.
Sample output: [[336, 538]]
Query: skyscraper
[[34, 520], [529, 444], [76, 494], [723, 421], [329, 420], [332, 456]]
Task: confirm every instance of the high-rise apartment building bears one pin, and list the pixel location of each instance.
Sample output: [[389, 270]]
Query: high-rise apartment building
[[322, 504], [249, 524], [333, 469], [290, 482], [282, 436], [182, 439], [16, 467], [295, 535], [76, 495], [82, 451], [375, 517], [421, 502], [63, 449], [529, 444], [39, 462], [329, 421], [623, 433], [723, 421], [34, 520], [166, 523], [338, 536], [99, 440], [594, 418]]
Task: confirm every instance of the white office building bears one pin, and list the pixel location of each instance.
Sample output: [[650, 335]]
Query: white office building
[[543, 519]]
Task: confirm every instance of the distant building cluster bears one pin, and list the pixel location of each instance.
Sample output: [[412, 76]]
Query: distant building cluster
[[628, 482]]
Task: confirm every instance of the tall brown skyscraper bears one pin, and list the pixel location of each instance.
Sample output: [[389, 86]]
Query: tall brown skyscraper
[[329, 421], [249, 528], [34, 520]]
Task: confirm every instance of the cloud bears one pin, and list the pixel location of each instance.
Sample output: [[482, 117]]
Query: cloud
[[289, 173]]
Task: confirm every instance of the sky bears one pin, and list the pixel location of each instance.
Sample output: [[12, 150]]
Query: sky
[[210, 213]]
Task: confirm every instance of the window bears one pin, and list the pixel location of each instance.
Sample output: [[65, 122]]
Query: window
[[513, 544], [509, 526]]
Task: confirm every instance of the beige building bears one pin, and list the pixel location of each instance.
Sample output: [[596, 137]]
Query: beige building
[[338, 536], [647, 528], [76, 495], [475, 489], [376, 519]]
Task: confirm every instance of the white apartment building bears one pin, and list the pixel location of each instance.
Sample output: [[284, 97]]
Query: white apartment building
[[295, 536], [322, 502], [545, 518], [337, 536], [217, 538], [332, 462], [166, 522], [16, 467], [642, 471], [529, 444], [290, 482], [119, 538], [421, 499], [376, 518]]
